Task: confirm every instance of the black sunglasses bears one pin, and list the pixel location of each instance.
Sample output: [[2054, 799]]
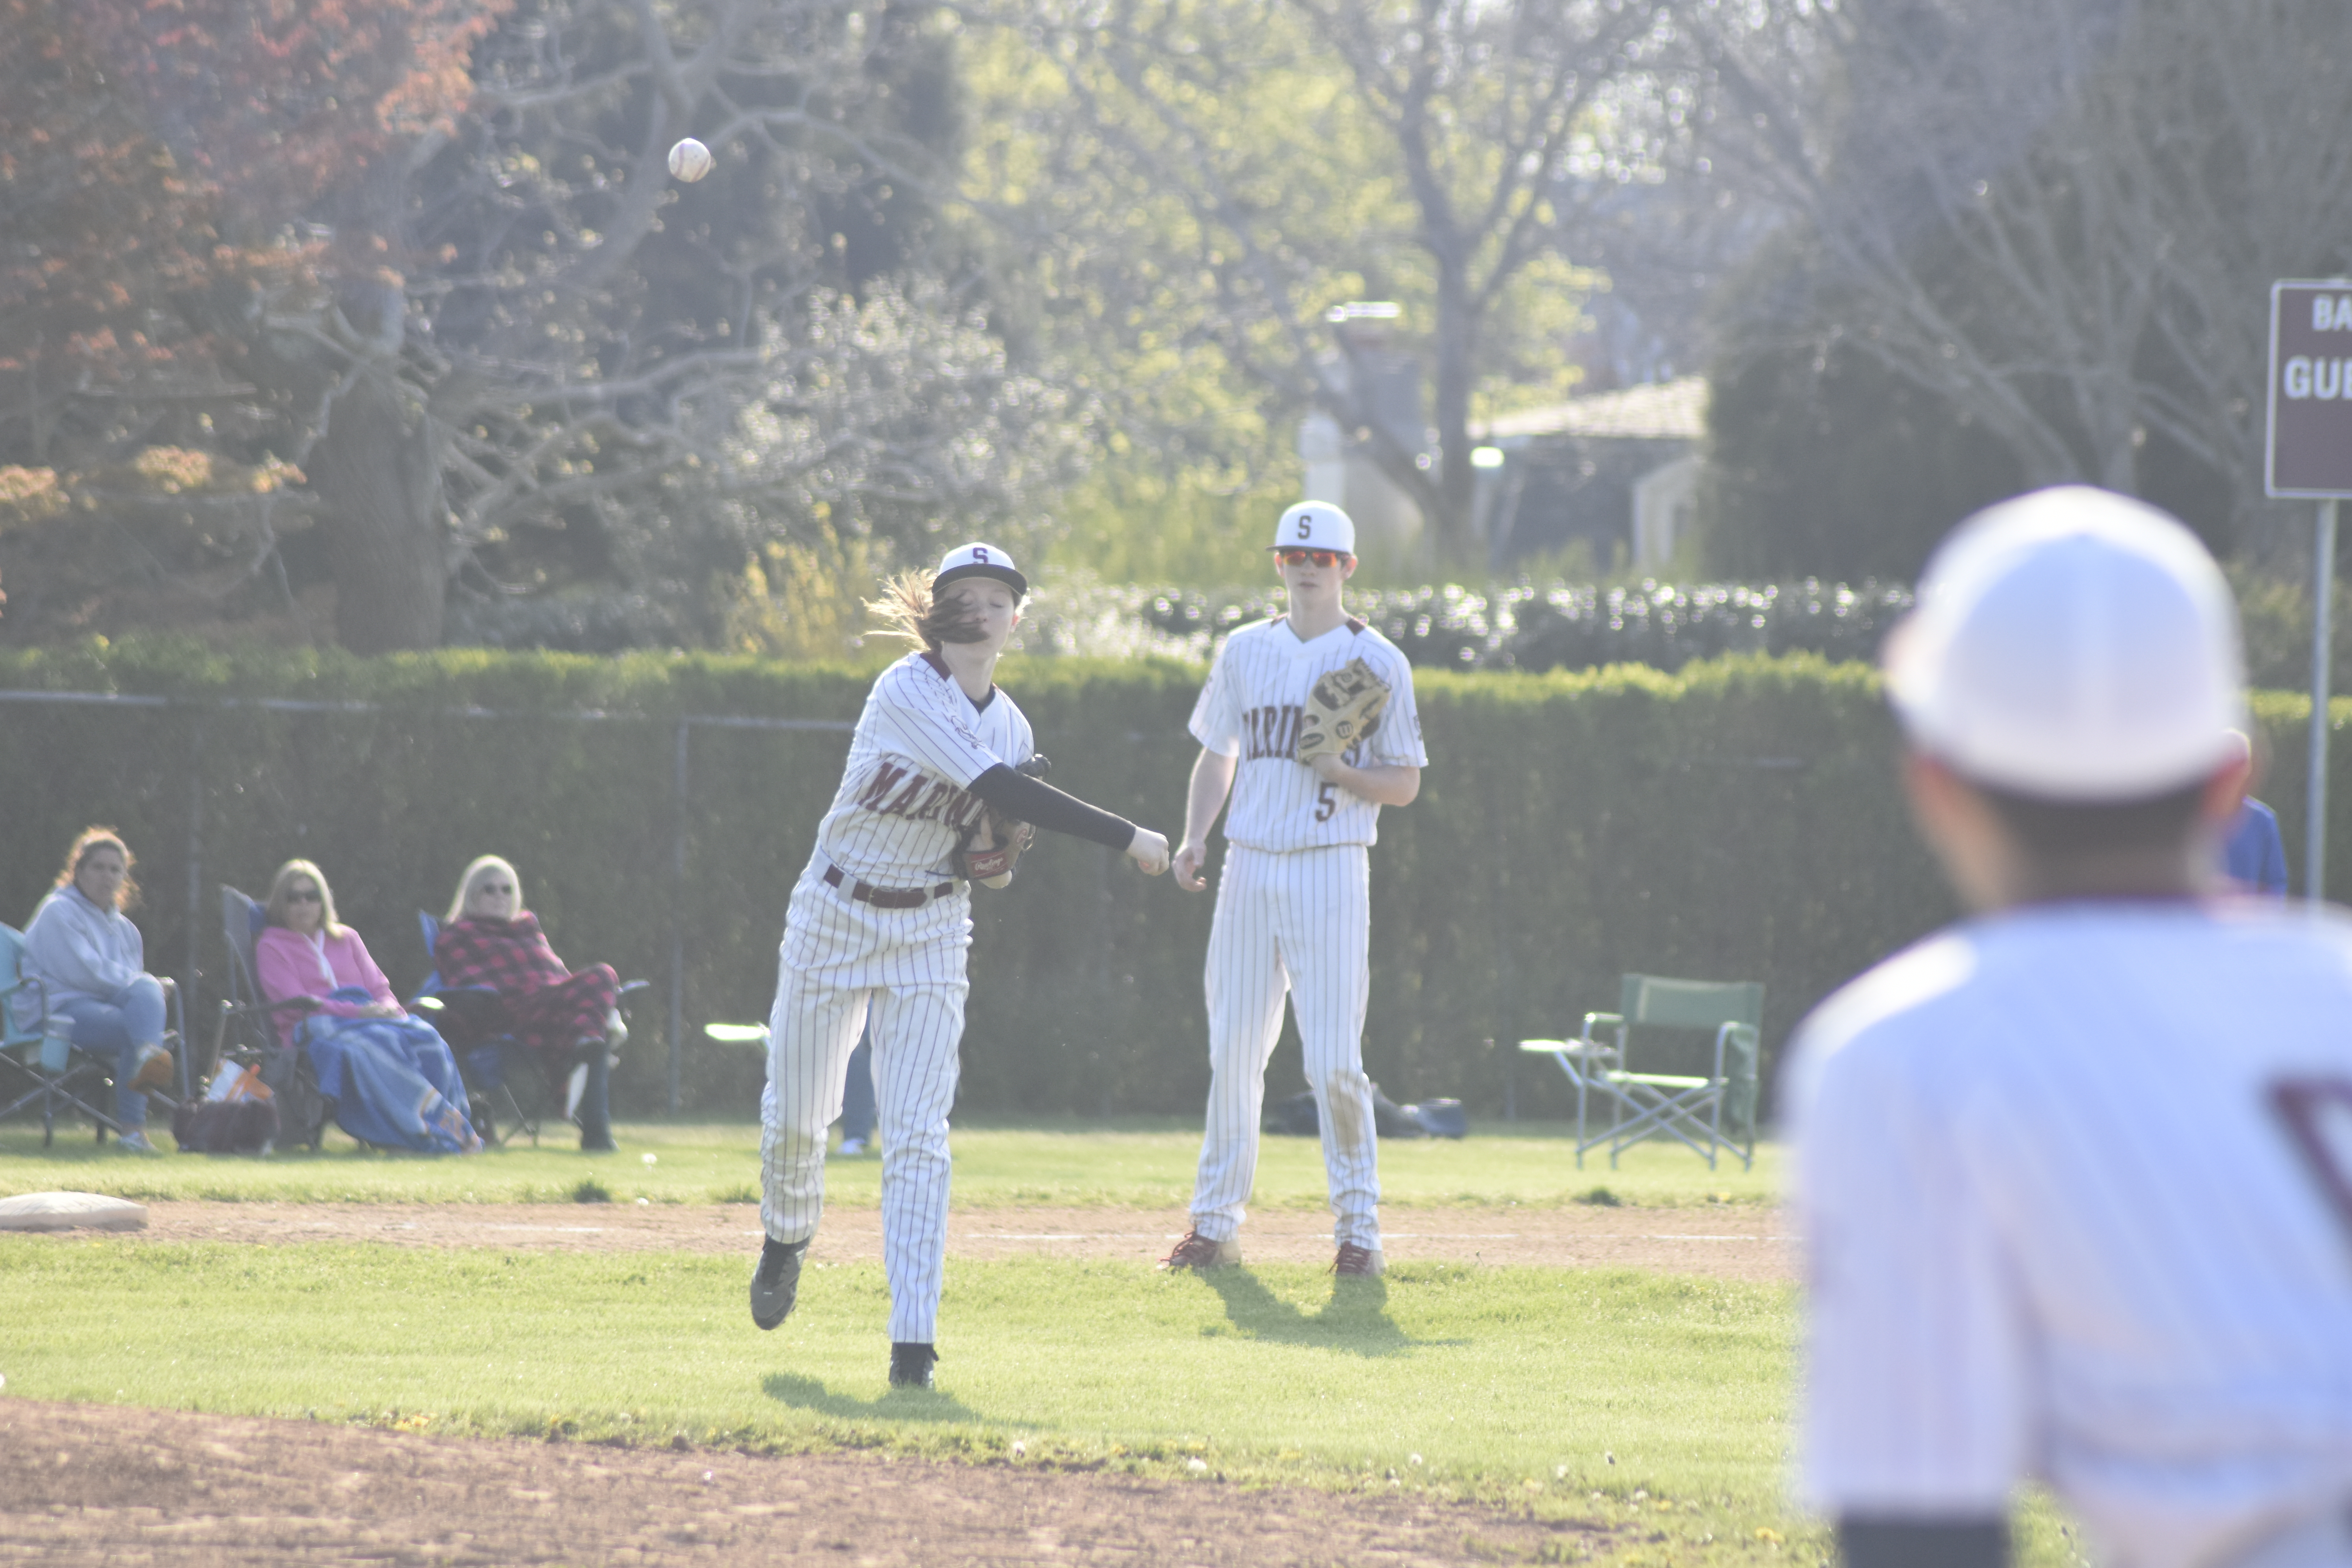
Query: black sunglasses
[[311, 897], [1294, 557]]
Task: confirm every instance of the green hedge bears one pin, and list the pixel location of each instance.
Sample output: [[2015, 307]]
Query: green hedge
[[1737, 820]]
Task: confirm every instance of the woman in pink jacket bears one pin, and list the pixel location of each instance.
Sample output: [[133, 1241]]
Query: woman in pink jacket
[[392, 1077]]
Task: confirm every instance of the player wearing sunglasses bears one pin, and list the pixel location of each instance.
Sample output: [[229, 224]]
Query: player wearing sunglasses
[[1309, 722]]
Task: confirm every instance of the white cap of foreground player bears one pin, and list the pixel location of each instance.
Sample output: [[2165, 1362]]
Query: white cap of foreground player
[[2072, 644], [980, 560], [1315, 525]]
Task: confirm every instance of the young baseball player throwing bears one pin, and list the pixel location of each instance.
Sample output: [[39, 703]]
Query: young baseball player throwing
[[2075, 1175], [932, 799], [1308, 722]]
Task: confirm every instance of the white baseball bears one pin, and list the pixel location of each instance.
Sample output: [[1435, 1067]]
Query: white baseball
[[689, 160]]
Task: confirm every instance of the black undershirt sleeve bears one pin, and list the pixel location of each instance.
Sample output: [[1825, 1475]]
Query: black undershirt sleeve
[[1923, 1542], [1025, 800]]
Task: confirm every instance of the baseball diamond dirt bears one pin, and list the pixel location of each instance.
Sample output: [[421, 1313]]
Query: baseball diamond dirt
[[1736, 1241], [114, 1484]]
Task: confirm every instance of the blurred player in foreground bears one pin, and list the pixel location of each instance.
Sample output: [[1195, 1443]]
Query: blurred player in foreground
[[1309, 722], [2075, 1175], [881, 922]]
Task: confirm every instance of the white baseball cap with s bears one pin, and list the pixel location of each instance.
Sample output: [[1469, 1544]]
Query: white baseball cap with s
[[980, 560], [2072, 645], [1315, 525]]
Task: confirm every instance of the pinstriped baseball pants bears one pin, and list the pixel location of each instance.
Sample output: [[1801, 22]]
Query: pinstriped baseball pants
[[1297, 923], [839, 962]]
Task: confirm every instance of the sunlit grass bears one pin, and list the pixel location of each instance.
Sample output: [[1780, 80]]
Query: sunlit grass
[[1539, 1387], [1140, 1164], [1652, 1406]]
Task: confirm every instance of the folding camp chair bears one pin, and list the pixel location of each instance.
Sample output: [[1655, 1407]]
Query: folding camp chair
[[36, 1048], [247, 1030], [1704, 1114], [489, 1058]]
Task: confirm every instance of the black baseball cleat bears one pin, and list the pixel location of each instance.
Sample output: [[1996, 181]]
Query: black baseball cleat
[[910, 1365], [776, 1281]]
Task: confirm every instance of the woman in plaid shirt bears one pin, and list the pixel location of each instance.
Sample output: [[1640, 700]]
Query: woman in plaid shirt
[[489, 939]]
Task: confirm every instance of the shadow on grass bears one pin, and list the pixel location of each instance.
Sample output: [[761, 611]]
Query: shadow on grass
[[1356, 1319], [894, 1405]]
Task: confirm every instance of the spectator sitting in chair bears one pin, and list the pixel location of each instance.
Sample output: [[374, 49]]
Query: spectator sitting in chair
[[392, 1077], [489, 939], [92, 962]]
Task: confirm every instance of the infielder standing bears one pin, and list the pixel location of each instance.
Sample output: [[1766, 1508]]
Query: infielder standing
[[880, 922], [1308, 722], [2075, 1175]]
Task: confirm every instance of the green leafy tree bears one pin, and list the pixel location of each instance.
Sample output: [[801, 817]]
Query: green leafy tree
[[1186, 186]]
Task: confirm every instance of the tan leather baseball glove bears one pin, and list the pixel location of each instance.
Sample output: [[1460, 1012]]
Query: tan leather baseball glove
[[992, 847], [1343, 707]]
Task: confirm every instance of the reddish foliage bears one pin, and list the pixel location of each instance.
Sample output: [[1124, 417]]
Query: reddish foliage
[[277, 101], [99, 218]]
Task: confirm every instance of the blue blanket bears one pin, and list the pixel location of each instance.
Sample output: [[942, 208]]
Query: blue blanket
[[393, 1083]]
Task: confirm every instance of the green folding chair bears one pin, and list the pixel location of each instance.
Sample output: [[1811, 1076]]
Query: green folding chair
[[1706, 1114]]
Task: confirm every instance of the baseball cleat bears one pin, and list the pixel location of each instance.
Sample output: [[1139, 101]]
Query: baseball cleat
[[1359, 1262], [1197, 1251], [910, 1364], [776, 1281]]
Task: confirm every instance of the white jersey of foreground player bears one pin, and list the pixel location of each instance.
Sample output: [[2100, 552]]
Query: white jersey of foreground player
[[1251, 709], [2056, 1227], [921, 742]]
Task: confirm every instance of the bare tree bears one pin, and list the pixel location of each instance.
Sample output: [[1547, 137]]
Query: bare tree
[[2060, 216], [505, 349]]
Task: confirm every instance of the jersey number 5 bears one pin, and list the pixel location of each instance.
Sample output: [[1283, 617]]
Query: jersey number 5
[[2317, 1115], [1326, 803]]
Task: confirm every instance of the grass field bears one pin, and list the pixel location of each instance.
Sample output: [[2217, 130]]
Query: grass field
[[1656, 1405], [1539, 1387], [1136, 1163]]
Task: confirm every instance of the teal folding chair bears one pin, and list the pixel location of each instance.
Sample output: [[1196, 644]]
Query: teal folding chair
[[1705, 1114], [62, 1077]]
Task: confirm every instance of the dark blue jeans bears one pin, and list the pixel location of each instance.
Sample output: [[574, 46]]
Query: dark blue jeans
[[120, 1026]]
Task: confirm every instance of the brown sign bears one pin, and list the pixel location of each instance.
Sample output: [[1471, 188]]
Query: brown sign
[[2310, 451]]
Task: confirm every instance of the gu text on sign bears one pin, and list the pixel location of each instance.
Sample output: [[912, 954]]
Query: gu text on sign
[[2310, 446]]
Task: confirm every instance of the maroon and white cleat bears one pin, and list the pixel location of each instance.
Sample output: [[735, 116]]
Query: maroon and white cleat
[[1197, 1251]]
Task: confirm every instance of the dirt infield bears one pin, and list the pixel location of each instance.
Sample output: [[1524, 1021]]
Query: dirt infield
[[1730, 1241], [90, 1484]]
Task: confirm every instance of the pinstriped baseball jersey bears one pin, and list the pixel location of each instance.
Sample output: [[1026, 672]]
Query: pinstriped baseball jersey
[[2076, 1188], [904, 800], [1251, 709]]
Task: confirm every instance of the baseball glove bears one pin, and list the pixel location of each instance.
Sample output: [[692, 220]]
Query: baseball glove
[[990, 849], [1344, 708]]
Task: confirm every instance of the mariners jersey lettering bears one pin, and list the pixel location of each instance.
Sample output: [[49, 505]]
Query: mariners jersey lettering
[[1251, 709], [2070, 1180], [904, 798]]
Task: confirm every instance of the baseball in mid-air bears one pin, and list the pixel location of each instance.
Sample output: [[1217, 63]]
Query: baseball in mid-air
[[689, 160]]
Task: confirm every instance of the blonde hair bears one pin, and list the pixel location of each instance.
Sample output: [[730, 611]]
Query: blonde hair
[[282, 884], [908, 610], [95, 839], [482, 867]]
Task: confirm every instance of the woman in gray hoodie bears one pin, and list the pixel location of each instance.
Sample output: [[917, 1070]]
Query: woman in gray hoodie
[[91, 963]]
